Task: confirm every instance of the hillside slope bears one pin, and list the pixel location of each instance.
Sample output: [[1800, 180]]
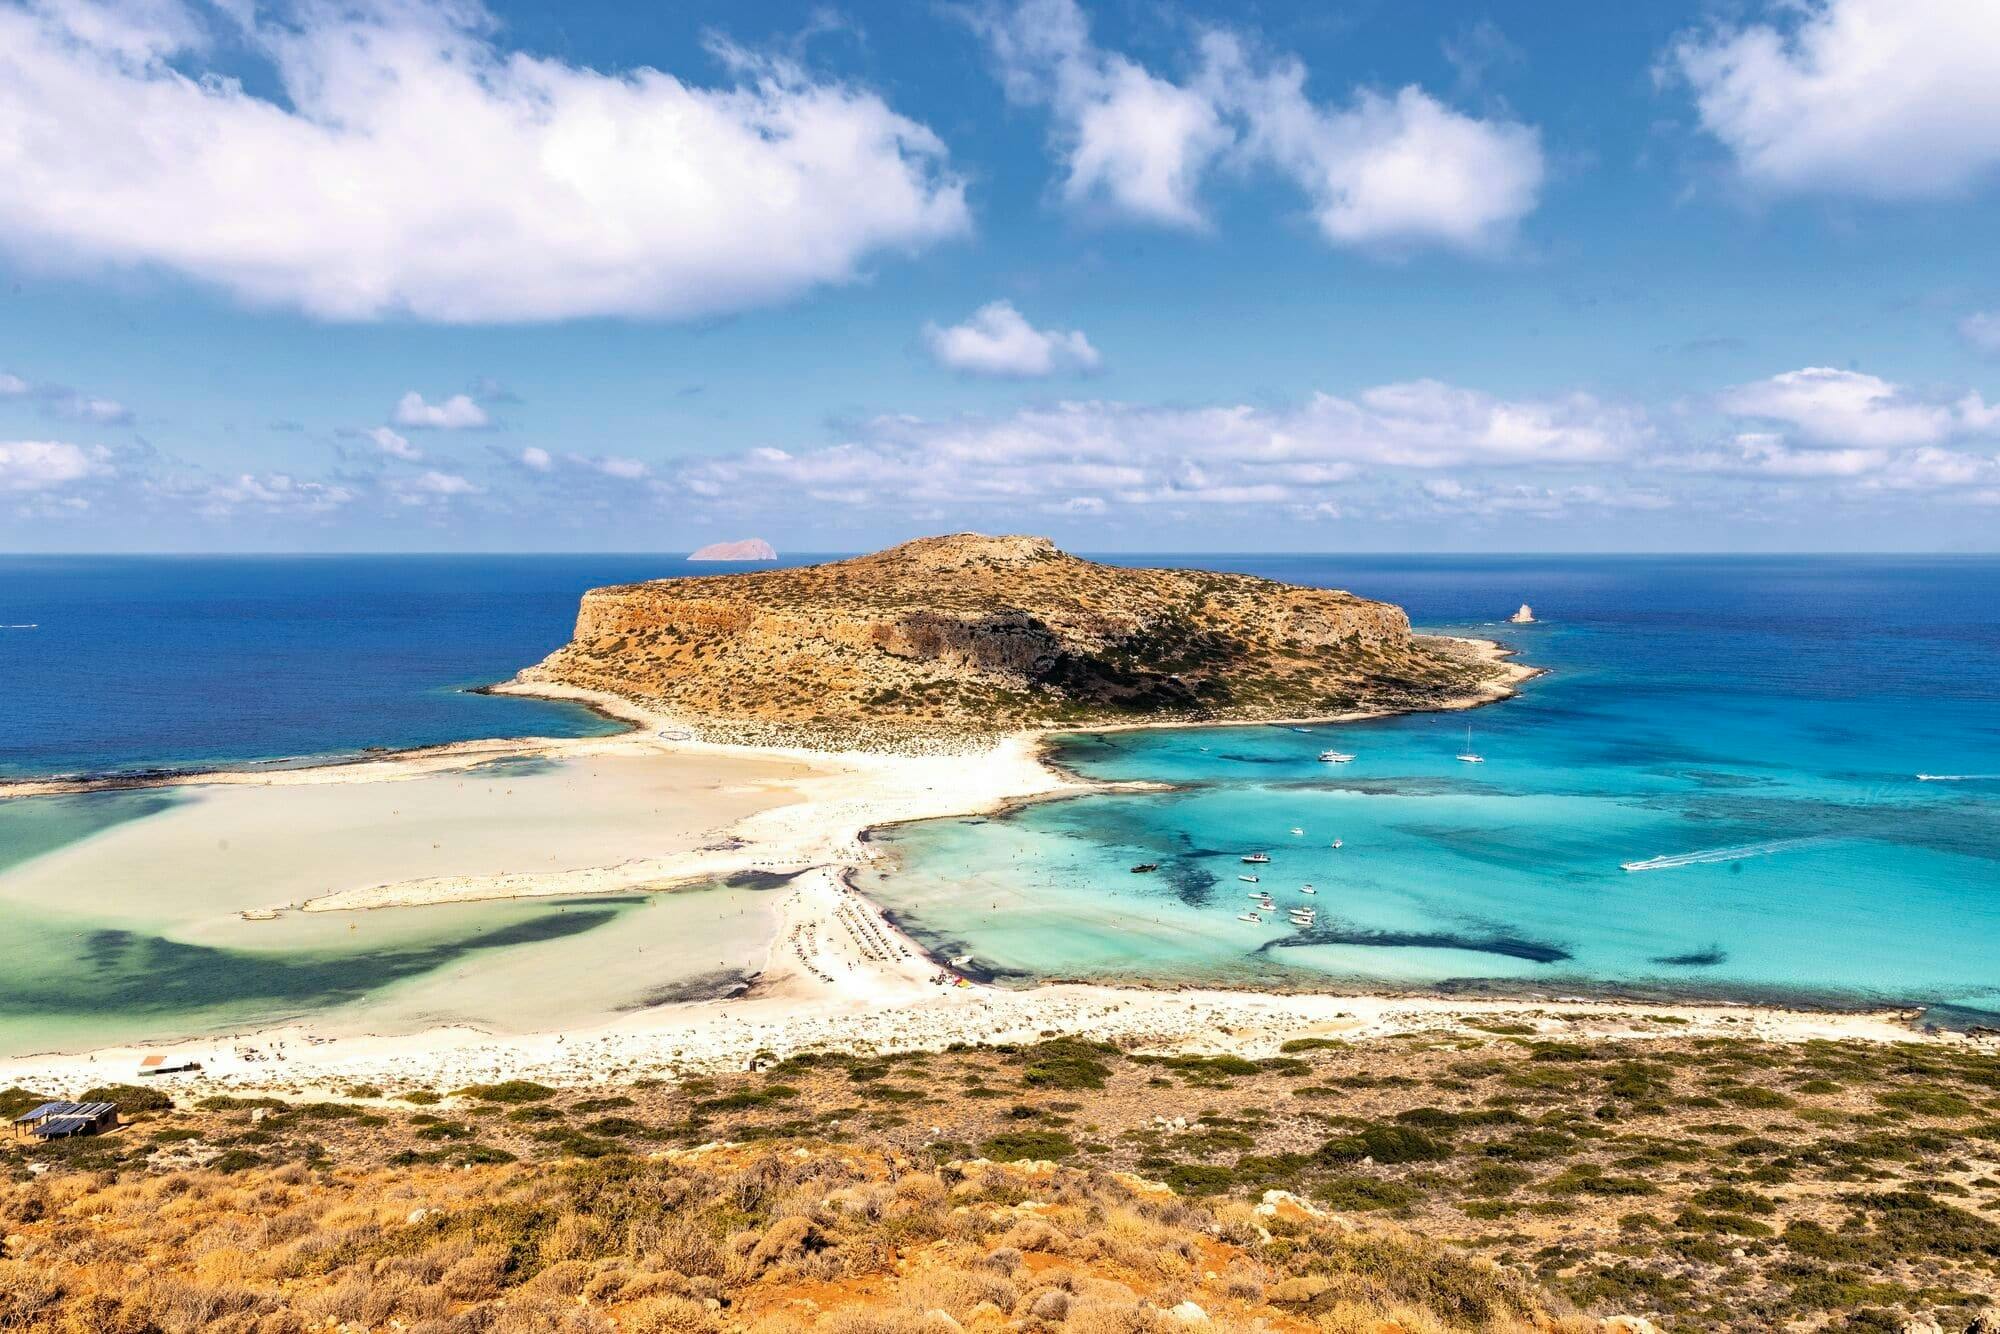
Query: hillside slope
[[969, 634]]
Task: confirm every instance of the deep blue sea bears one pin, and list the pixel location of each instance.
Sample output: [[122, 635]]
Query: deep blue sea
[[140, 662], [1757, 722]]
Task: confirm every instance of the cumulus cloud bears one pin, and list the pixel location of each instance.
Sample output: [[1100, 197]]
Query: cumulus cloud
[[391, 159], [1389, 169], [431, 487], [1848, 409], [13, 386], [536, 458], [1085, 456], [269, 493], [611, 465], [999, 341], [39, 465], [395, 445], [1883, 98], [457, 413]]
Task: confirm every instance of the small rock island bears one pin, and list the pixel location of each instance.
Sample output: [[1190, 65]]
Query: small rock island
[[750, 548], [968, 635]]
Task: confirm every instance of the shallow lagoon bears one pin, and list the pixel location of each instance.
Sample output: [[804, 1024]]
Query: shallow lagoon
[[1760, 724]]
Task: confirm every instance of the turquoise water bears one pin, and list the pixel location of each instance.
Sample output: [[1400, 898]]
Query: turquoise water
[[1757, 723]]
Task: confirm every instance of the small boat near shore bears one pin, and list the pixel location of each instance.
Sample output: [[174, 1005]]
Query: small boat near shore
[[1249, 917], [1469, 755], [1258, 858], [1247, 879], [1144, 867], [1307, 889], [1335, 757]]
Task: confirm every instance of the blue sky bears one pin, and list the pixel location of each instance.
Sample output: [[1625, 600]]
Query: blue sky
[[404, 275]]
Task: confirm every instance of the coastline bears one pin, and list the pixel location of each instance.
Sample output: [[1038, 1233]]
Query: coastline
[[838, 972]]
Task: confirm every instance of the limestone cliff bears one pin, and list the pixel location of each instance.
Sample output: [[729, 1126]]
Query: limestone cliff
[[967, 633]]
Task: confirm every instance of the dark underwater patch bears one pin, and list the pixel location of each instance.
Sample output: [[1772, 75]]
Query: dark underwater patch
[[124, 971], [761, 880], [1706, 958], [721, 984], [1512, 946]]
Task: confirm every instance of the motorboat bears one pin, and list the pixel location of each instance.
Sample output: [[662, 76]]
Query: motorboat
[[1247, 879], [1258, 858], [1335, 757], [1144, 867]]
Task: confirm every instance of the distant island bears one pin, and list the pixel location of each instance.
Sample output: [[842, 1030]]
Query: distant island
[[750, 548], [971, 635]]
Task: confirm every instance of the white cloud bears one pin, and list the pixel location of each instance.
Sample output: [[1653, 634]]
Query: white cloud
[[1847, 409], [1389, 170], [1982, 330], [13, 386], [457, 413], [1095, 454], [402, 163], [536, 458], [998, 341], [271, 493], [37, 465], [613, 466], [1883, 98], [431, 487], [393, 444]]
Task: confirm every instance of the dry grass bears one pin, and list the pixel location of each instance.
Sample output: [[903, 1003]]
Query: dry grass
[[850, 1241]]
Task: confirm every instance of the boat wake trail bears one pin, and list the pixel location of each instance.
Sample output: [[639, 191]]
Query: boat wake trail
[[1957, 778], [1708, 856]]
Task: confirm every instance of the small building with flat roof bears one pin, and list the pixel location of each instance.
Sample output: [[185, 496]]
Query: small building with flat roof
[[61, 1120]]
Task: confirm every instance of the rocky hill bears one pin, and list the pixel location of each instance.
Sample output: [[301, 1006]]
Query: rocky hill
[[967, 634]]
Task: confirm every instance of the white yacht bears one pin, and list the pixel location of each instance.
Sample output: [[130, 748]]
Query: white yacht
[[1249, 917], [1307, 889], [1335, 757], [1247, 879], [1298, 832], [1469, 755], [1258, 858]]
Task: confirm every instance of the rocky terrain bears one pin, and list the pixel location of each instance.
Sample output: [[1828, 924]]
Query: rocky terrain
[[1501, 1176], [970, 635]]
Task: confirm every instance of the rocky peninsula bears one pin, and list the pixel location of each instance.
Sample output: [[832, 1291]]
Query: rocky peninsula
[[974, 636]]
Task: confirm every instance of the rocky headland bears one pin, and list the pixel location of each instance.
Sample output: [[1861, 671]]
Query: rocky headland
[[967, 635]]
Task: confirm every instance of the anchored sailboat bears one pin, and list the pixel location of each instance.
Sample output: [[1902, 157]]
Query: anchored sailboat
[[1469, 755]]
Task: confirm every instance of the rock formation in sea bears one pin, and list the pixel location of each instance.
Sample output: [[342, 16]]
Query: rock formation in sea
[[750, 548], [967, 634], [1525, 616]]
